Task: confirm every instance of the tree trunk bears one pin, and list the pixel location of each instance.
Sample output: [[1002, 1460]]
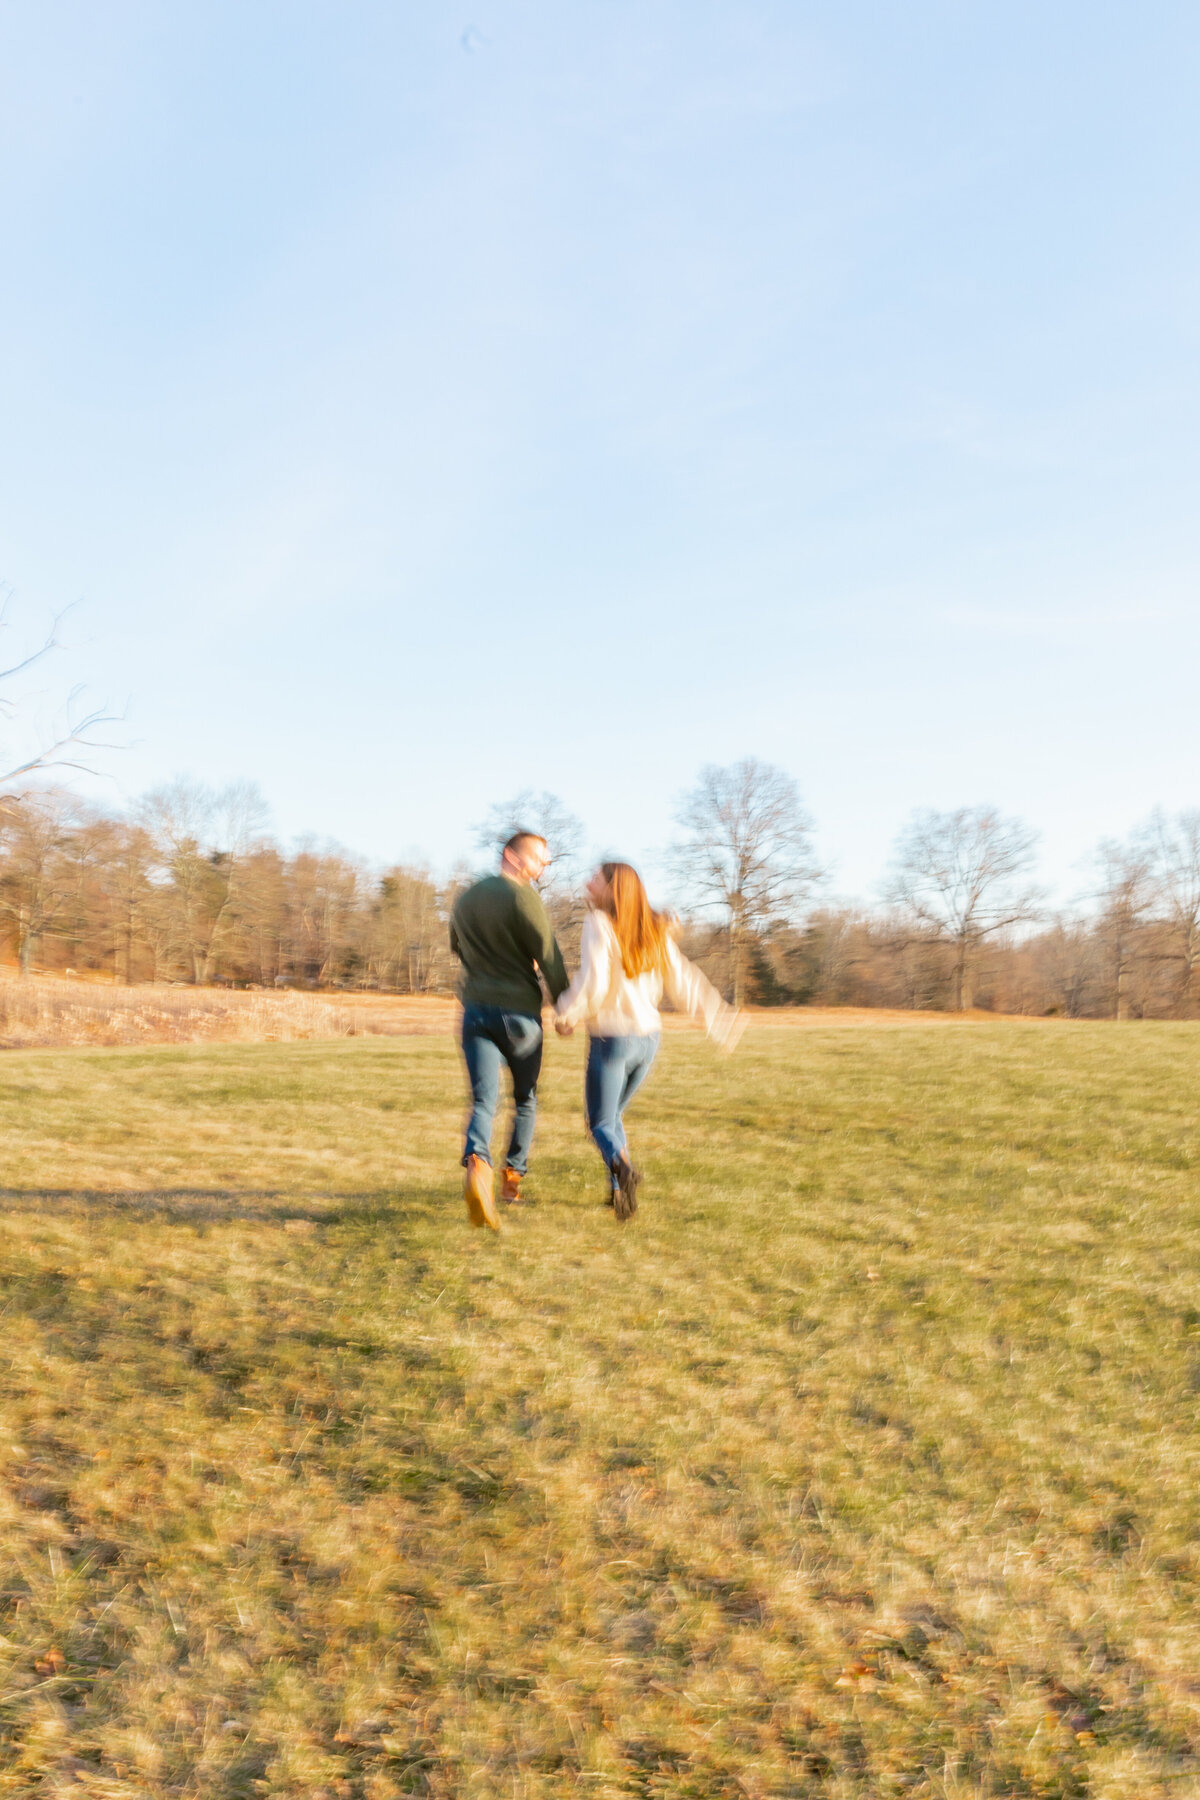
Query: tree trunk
[[1191, 944], [736, 951]]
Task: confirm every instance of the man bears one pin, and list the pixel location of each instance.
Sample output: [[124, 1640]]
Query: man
[[501, 934]]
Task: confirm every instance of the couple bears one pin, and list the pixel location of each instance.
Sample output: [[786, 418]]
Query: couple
[[502, 935]]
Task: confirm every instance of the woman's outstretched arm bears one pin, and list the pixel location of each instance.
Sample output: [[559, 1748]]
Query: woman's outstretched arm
[[693, 993]]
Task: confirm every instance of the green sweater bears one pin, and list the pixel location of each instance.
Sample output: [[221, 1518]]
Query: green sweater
[[499, 930]]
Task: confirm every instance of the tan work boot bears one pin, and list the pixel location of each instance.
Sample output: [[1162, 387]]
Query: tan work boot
[[510, 1187], [477, 1191]]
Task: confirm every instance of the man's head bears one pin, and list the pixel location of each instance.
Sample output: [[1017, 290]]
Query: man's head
[[525, 856]]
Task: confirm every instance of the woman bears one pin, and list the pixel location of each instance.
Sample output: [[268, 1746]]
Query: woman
[[628, 960]]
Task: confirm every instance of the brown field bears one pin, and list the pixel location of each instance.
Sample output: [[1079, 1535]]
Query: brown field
[[63, 1012], [863, 1464]]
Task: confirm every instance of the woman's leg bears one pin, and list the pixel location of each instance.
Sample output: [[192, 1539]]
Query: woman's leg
[[639, 1056], [603, 1085]]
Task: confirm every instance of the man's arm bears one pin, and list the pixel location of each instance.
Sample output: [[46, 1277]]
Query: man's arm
[[537, 936]]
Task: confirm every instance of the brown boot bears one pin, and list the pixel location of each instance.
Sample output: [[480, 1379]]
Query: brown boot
[[510, 1187], [627, 1179], [477, 1191]]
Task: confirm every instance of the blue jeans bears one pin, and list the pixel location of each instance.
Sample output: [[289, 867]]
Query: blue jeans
[[616, 1069], [491, 1036]]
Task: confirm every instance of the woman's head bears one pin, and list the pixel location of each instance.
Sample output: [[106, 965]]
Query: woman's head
[[616, 888]]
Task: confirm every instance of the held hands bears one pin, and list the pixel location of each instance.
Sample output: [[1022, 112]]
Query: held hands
[[563, 1029]]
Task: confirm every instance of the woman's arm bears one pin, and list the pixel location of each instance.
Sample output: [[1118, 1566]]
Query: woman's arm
[[591, 981], [691, 992]]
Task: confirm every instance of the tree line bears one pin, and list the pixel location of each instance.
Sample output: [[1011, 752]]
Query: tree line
[[189, 887]]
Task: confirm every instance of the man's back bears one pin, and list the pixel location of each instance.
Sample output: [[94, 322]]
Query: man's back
[[500, 930]]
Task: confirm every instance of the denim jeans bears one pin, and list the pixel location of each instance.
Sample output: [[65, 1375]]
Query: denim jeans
[[491, 1036], [616, 1069]]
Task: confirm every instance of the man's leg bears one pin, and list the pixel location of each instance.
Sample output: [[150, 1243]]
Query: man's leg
[[523, 1053], [603, 1085], [482, 1056]]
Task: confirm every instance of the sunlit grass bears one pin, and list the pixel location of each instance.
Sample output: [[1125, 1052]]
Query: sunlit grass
[[864, 1462]]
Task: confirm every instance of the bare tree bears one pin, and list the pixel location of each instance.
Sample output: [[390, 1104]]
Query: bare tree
[[1065, 971], [253, 944], [959, 876], [38, 874], [123, 856], [561, 882], [176, 818], [324, 924], [64, 746], [239, 815], [202, 838], [408, 941], [1171, 849], [814, 963], [746, 851], [546, 814], [1124, 893]]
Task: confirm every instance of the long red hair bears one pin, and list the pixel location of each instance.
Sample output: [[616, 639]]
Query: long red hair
[[641, 932]]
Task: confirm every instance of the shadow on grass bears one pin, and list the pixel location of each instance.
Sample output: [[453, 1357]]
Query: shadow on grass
[[246, 1206]]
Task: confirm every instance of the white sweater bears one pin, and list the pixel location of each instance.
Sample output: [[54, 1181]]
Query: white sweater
[[614, 1004]]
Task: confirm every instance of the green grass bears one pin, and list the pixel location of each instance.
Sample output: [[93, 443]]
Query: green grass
[[864, 1462]]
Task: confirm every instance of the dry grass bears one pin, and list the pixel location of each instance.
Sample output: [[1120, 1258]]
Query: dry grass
[[863, 1463], [52, 1012], [56, 1012]]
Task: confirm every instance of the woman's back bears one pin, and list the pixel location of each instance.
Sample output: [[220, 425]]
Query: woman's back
[[613, 1003]]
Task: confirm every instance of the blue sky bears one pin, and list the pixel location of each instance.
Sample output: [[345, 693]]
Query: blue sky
[[431, 401]]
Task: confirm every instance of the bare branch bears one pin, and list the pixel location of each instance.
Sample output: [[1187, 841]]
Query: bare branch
[[77, 736], [958, 874], [53, 755], [746, 850], [546, 814]]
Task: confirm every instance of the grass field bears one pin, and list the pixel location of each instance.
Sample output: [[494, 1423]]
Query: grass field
[[864, 1462]]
